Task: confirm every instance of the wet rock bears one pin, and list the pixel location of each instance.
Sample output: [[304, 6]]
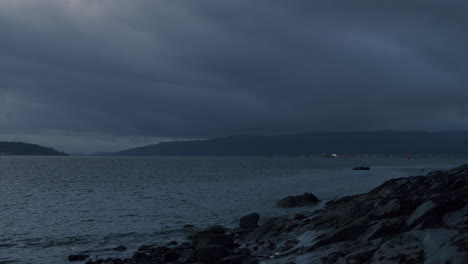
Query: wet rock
[[218, 239], [460, 183], [217, 229], [249, 221], [185, 245], [345, 234], [234, 259], [300, 216], [156, 251], [120, 248], [387, 228], [211, 254], [271, 245], [400, 249], [269, 226], [205, 234], [361, 168], [108, 261], [144, 247], [171, 255], [78, 257], [243, 251], [172, 243], [298, 200], [141, 257], [188, 256]]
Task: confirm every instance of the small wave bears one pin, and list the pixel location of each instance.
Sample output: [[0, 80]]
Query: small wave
[[9, 261], [7, 245], [49, 242], [128, 215]]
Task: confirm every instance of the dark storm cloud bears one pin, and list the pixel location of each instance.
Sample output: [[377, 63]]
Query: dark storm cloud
[[124, 73]]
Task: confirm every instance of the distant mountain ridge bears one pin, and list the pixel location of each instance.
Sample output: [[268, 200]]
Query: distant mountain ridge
[[373, 142], [20, 148]]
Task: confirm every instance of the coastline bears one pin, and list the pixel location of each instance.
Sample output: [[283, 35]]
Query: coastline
[[419, 219]]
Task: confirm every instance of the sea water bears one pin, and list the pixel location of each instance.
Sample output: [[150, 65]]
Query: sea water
[[51, 207]]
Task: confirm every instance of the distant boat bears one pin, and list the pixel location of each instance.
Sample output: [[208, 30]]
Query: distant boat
[[409, 156]]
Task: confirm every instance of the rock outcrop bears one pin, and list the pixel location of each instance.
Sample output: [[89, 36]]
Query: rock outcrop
[[298, 200], [422, 219], [249, 221]]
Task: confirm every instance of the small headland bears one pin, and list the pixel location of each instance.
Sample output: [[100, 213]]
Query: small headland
[[20, 148]]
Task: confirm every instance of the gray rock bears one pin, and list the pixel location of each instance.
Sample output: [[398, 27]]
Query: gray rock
[[345, 234], [216, 239], [203, 235], [171, 255], [140, 257], [211, 254], [234, 259], [120, 248], [249, 221], [298, 200]]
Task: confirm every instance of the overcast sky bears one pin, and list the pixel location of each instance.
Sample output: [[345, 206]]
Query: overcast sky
[[86, 75]]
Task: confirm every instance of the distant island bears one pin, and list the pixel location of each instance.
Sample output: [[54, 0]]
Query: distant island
[[307, 144], [20, 148]]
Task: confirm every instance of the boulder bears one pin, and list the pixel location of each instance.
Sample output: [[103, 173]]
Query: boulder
[[172, 243], [140, 257], [215, 239], [171, 255], [203, 235], [120, 248], [211, 254], [298, 200], [249, 221], [345, 234]]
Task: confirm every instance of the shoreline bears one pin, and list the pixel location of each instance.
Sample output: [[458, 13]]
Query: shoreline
[[418, 219]]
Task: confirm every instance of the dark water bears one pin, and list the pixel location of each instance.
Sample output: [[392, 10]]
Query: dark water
[[51, 207]]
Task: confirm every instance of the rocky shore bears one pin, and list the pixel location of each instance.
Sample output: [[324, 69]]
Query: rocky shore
[[421, 219]]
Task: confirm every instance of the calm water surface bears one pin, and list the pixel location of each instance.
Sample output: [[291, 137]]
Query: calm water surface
[[51, 207]]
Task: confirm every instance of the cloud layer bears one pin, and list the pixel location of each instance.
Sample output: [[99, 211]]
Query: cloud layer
[[120, 73]]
